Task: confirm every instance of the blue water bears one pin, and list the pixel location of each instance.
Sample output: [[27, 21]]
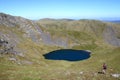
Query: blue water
[[67, 54]]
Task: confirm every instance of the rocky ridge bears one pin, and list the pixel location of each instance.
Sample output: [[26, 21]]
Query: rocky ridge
[[15, 29]]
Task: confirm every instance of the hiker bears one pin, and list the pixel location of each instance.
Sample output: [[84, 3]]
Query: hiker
[[104, 68]]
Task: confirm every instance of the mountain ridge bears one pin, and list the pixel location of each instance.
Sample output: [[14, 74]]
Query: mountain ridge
[[33, 29]]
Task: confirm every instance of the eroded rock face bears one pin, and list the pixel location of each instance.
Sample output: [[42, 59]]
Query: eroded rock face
[[30, 30], [110, 36], [5, 48]]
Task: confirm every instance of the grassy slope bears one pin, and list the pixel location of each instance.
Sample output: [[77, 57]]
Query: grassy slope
[[63, 70], [42, 69]]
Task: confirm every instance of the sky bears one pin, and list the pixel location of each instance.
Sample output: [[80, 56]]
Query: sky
[[73, 9]]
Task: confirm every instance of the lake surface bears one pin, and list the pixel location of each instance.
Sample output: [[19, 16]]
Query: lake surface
[[68, 54]]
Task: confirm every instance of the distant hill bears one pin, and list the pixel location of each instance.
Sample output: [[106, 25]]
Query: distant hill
[[113, 21], [117, 21]]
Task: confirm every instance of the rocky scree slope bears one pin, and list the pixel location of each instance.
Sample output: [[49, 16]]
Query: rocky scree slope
[[63, 33]]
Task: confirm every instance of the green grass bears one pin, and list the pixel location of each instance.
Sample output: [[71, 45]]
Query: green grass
[[62, 70], [42, 69]]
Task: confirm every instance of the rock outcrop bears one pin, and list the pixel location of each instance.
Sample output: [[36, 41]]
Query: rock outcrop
[[29, 28], [15, 29]]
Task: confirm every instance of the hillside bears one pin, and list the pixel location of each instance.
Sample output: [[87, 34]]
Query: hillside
[[23, 43], [87, 28]]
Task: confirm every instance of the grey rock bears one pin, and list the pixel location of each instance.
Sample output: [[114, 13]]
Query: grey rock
[[110, 36]]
